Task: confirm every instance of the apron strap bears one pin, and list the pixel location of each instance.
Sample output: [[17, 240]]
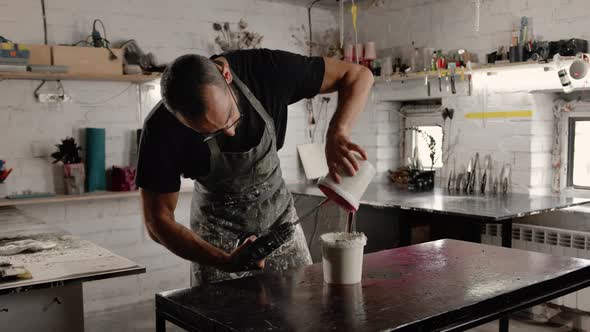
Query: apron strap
[[255, 103], [268, 121], [213, 147]]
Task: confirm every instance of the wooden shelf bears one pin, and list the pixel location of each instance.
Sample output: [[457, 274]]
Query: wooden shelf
[[433, 74], [137, 78], [99, 195]]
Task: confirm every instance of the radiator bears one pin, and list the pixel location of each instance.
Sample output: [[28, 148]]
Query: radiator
[[553, 241]]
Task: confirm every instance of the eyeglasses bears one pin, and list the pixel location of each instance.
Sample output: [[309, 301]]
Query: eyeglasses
[[211, 136]]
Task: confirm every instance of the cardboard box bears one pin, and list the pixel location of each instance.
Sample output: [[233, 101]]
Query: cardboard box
[[39, 54], [88, 60]]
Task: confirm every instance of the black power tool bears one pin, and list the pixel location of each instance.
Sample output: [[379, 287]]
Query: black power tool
[[269, 241]]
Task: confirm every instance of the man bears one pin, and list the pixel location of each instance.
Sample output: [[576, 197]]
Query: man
[[221, 122]]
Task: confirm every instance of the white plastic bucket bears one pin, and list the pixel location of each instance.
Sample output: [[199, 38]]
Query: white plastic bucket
[[349, 191], [342, 257]]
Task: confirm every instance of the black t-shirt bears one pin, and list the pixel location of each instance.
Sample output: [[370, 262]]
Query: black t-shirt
[[168, 149]]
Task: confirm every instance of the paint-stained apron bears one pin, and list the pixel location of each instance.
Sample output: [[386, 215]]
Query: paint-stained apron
[[244, 194]]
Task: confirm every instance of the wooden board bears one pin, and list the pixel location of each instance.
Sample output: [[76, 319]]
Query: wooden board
[[73, 259], [40, 54], [433, 74], [98, 195], [88, 60], [440, 285], [77, 77]]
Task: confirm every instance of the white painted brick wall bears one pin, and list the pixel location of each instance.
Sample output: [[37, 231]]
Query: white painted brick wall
[[524, 143], [29, 130], [450, 24]]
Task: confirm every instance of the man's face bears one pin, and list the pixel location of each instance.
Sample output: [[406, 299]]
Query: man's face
[[221, 111]]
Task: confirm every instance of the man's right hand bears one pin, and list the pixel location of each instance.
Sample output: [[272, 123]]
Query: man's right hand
[[232, 266]]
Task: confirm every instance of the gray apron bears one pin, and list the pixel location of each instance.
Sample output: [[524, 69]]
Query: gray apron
[[244, 194]]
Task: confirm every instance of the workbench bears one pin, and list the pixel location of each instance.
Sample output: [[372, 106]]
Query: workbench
[[53, 297], [445, 285], [447, 208], [440, 206]]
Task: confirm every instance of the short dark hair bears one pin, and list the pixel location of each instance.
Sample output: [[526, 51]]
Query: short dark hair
[[183, 81]]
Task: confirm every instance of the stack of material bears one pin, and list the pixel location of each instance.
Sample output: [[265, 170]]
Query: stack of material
[[13, 57], [10, 272]]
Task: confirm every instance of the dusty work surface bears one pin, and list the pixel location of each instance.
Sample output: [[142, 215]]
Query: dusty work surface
[[444, 284], [488, 207], [72, 259]]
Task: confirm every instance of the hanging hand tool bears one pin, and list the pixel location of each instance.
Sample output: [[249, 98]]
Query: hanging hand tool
[[427, 83], [505, 178], [473, 174], [459, 183], [453, 90], [452, 178], [469, 76], [310, 119], [269, 241], [468, 177], [486, 170], [439, 80]]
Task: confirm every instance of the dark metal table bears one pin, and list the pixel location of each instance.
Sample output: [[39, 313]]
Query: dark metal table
[[445, 285], [447, 206]]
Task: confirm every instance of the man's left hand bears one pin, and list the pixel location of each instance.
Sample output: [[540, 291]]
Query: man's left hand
[[340, 155]]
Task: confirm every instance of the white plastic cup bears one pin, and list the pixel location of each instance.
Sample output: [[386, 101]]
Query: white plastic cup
[[358, 53], [370, 51], [349, 191], [386, 66], [342, 257], [348, 52]]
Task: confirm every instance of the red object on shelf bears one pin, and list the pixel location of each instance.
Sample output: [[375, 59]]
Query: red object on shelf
[[123, 178], [441, 63]]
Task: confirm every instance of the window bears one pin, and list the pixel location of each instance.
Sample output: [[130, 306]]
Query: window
[[578, 171], [423, 151]]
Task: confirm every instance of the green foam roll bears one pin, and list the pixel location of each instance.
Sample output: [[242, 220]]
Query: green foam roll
[[95, 159]]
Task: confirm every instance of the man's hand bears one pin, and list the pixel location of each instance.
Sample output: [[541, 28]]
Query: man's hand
[[340, 155], [232, 266], [353, 83]]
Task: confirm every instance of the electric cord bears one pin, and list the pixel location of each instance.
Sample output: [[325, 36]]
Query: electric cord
[[315, 228], [85, 41], [104, 30], [44, 22], [310, 101], [101, 41], [44, 16], [104, 101], [36, 92], [309, 23], [61, 90]]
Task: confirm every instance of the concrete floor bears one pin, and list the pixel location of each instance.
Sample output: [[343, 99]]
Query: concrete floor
[[135, 318], [141, 317]]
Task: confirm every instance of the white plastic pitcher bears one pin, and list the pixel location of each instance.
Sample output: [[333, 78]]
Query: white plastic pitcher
[[342, 257], [349, 191]]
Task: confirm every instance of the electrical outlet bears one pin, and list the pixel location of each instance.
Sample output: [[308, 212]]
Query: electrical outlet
[[49, 97], [53, 98]]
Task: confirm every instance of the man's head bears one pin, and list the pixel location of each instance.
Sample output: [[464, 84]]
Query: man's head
[[197, 91]]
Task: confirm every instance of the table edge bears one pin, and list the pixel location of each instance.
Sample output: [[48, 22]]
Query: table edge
[[558, 286], [58, 282]]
